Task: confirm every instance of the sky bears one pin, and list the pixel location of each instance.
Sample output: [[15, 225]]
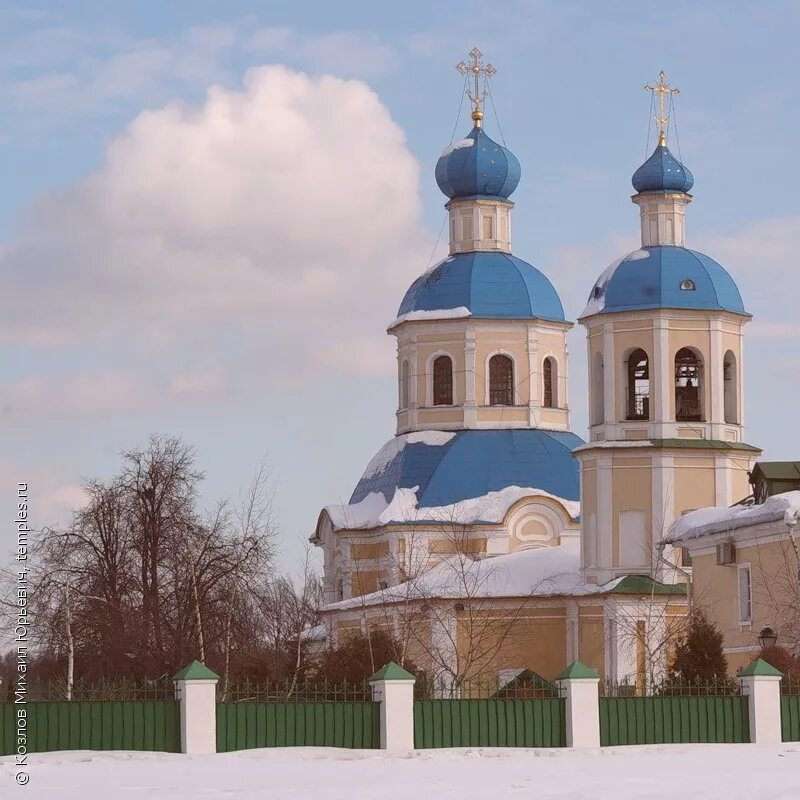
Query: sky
[[209, 212]]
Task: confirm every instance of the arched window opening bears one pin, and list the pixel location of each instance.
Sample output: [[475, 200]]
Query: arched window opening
[[550, 375], [404, 384], [638, 394], [688, 380], [730, 380], [501, 381], [339, 590], [598, 391], [442, 381]]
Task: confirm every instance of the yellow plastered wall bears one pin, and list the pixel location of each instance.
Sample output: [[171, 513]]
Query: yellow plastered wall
[[588, 511], [493, 641], [695, 484], [591, 638], [632, 491], [773, 589]]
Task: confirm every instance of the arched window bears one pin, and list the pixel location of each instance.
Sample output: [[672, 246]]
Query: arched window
[[598, 391], [339, 590], [442, 381], [688, 386], [550, 379], [638, 395], [730, 381], [501, 381], [404, 384]]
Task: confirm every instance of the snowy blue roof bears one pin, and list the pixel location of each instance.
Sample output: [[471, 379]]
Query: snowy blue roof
[[477, 165], [664, 277], [491, 284], [662, 172], [472, 463]]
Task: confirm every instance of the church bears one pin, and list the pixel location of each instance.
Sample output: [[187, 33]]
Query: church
[[486, 536]]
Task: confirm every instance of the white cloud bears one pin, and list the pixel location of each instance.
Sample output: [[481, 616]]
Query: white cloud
[[285, 215]]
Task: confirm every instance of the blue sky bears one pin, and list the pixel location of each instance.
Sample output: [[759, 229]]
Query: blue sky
[[222, 266]]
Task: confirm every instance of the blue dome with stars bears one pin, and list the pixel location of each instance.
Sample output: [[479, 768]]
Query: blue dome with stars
[[477, 166], [662, 172]]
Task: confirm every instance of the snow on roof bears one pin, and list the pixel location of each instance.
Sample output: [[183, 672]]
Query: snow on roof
[[457, 146], [538, 571], [597, 300], [373, 511], [387, 453], [707, 521], [439, 313], [317, 633], [615, 444]]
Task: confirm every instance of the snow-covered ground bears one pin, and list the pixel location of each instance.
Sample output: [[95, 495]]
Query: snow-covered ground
[[697, 772]]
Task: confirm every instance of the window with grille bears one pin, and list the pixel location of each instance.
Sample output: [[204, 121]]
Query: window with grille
[[688, 377], [550, 377], [442, 381], [501, 381], [638, 400]]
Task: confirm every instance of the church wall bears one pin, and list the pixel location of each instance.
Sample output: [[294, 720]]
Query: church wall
[[695, 484], [589, 550], [591, 638], [536, 640], [632, 494]]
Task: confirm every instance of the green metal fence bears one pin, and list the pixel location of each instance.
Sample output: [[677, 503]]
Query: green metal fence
[[92, 725], [489, 723], [673, 720], [790, 708], [244, 725]]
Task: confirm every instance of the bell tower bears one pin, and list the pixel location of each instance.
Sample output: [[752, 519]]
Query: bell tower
[[665, 329]]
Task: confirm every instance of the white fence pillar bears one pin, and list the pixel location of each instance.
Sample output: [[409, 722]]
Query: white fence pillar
[[761, 683], [196, 689], [393, 687], [579, 684]]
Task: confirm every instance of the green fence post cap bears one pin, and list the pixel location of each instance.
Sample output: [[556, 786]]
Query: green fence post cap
[[577, 669], [760, 668], [392, 672], [196, 671]]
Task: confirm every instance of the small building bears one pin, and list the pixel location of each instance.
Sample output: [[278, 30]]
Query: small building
[[769, 478], [746, 571]]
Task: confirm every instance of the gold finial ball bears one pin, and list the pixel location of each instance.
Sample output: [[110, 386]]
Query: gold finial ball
[[477, 115]]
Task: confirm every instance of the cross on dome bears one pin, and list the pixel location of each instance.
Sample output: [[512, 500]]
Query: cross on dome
[[662, 89], [476, 69]]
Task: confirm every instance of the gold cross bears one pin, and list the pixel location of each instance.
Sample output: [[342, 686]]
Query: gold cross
[[476, 68], [662, 89]]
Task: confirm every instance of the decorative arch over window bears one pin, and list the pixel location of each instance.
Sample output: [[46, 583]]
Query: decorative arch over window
[[730, 384], [550, 381], [598, 390], [443, 381], [404, 383], [688, 386], [638, 388], [501, 380]]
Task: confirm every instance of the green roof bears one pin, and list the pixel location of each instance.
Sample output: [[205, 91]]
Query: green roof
[[761, 668], [196, 671], [577, 669], [643, 584], [779, 470], [392, 672]]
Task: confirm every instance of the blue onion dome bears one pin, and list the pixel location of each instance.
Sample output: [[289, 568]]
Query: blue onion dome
[[478, 166], [662, 172], [482, 284], [664, 277]]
